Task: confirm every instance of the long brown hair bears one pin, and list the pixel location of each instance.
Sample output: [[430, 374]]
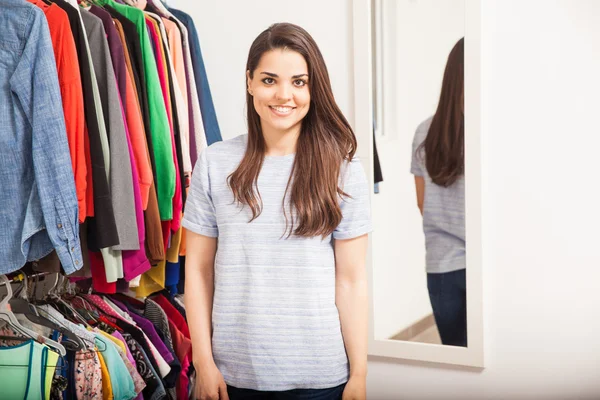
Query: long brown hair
[[325, 140], [445, 141]]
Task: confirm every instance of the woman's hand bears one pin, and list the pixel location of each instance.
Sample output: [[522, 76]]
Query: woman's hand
[[356, 389], [210, 384]]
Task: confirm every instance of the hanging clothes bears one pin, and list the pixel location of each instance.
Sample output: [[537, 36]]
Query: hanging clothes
[[24, 369], [105, 145], [209, 116], [159, 124], [69, 78], [40, 188]]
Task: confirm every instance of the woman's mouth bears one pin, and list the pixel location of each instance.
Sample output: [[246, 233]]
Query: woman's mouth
[[282, 111]]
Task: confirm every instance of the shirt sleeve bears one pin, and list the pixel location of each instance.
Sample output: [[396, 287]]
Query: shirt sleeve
[[200, 215], [35, 84], [356, 210]]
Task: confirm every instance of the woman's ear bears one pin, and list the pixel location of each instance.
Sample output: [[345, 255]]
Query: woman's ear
[[248, 82]]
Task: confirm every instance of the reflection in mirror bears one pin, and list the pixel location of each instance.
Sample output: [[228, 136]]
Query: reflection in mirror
[[419, 266]]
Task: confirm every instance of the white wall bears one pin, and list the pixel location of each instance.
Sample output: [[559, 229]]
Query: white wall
[[541, 77], [228, 28], [421, 35]]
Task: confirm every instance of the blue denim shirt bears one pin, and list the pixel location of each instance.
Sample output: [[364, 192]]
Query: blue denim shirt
[[38, 203]]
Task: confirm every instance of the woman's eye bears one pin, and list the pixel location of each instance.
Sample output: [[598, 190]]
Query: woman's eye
[[268, 81], [299, 82]]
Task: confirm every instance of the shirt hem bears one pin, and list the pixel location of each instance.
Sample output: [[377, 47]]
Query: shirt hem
[[353, 234], [279, 388], [201, 230], [445, 270]]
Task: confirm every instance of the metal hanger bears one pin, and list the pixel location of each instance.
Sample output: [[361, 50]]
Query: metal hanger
[[49, 297], [7, 315], [22, 305]]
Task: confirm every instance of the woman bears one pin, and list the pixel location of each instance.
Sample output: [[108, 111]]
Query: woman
[[438, 166], [286, 303]]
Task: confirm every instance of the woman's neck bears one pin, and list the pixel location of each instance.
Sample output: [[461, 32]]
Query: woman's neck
[[281, 143]]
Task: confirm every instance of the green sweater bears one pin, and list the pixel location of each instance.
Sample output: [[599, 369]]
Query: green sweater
[[159, 122]]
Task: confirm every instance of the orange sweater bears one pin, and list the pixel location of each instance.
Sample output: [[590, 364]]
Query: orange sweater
[[67, 66]]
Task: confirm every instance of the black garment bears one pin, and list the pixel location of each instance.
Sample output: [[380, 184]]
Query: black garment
[[139, 73], [333, 393], [377, 165], [102, 231], [448, 296], [181, 283], [154, 388], [71, 390]]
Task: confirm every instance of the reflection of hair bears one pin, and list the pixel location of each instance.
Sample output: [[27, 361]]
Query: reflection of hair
[[325, 140], [444, 144]]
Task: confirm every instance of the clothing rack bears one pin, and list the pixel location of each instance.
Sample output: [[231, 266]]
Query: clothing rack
[[20, 276]]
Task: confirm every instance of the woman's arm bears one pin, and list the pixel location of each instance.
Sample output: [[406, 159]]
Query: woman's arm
[[351, 300], [420, 186], [199, 290]]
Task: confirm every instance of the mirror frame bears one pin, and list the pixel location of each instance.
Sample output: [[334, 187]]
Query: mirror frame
[[473, 355]]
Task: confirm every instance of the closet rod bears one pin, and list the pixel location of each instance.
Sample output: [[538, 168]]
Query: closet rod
[[20, 276]]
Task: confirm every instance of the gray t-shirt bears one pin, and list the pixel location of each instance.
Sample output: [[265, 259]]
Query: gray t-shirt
[[443, 214], [275, 322]]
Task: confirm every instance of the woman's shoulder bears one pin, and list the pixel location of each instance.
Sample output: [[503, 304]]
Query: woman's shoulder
[[421, 132], [423, 129], [352, 170], [226, 149]]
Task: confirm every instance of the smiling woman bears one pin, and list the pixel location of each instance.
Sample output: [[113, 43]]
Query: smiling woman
[[280, 99], [285, 289]]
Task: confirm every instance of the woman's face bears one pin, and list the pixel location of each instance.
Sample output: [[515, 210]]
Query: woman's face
[[279, 90]]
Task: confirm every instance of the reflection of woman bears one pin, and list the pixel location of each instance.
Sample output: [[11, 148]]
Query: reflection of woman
[[438, 166], [287, 304]]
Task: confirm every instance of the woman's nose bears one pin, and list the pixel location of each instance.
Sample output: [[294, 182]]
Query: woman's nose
[[284, 92]]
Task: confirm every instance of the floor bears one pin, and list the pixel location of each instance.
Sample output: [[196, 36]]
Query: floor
[[423, 331], [430, 335]]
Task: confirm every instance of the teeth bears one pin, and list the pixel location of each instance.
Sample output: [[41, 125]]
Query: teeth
[[282, 109]]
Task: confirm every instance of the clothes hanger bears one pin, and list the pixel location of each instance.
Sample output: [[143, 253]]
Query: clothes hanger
[[22, 305], [59, 322], [90, 311], [63, 306], [50, 298], [7, 315]]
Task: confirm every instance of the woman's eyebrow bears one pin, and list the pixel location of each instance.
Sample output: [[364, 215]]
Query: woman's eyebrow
[[272, 75]]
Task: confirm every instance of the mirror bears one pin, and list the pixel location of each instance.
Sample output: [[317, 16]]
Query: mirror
[[420, 283], [424, 96]]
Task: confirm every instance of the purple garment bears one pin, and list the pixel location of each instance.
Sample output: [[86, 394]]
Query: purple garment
[[129, 356], [135, 262], [148, 329], [115, 46], [192, 144]]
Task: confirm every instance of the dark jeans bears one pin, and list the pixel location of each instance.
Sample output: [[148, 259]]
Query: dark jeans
[[334, 393], [448, 296]]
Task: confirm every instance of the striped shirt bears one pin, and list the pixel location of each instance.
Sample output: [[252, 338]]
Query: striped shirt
[[443, 214], [275, 322]]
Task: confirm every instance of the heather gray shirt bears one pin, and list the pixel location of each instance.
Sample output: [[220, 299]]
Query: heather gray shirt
[[443, 214], [120, 166], [275, 322]]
